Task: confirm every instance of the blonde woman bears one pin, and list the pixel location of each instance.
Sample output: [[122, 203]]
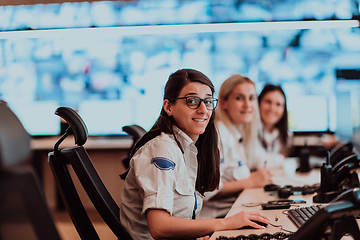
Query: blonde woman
[[243, 160]]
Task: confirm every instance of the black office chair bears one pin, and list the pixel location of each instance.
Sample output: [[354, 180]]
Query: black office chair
[[14, 139], [24, 212], [78, 159], [136, 132], [341, 151]]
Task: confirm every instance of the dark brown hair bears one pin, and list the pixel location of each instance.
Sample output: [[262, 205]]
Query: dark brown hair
[[282, 125], [208, 156]]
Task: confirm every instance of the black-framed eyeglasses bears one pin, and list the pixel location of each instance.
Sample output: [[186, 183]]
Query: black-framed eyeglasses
[[194, 102]]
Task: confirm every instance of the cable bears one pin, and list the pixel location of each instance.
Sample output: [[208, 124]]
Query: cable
[[281, 228], [263, 236]]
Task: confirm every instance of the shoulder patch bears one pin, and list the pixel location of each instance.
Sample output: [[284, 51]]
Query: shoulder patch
[[163, 163]]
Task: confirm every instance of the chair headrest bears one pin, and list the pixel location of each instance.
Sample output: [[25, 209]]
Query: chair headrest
[[76, 123], [135, 131]]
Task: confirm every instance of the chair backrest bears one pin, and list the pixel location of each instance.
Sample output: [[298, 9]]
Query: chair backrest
[[341, 151], [136, 132], [14, 139], [24, 212], [78, 159]]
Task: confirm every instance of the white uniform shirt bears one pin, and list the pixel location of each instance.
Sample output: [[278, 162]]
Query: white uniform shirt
[[232, 167], [272, 153], [272, 140], [160, 177]]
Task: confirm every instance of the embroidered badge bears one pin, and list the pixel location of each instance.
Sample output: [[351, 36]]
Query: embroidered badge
[[163, 163]]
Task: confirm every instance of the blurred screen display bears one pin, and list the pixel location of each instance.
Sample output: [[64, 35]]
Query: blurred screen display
[[119, 79]]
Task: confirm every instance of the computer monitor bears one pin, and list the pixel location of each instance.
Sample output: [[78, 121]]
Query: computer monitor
[[307, 113], [126, 55], [105, 117], [356, 121], [38, 117], [356, 140], [344, 124]]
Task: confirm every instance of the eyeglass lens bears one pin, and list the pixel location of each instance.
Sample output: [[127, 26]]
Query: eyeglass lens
[[194, 102]]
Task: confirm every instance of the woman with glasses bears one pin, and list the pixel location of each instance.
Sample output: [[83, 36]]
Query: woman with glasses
[[174, 164], [275, 135], [243, 161]]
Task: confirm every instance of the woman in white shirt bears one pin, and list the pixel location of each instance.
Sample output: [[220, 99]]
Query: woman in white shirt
[[174, 164], [275, 135], [243, 160]]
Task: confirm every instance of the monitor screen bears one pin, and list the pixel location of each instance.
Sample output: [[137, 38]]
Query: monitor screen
[[307, 113], [356, 139], [356, 119], [105, 117], [344, 123], [38, 117]]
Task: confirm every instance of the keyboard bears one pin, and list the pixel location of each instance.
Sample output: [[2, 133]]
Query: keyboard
[[300, 215]]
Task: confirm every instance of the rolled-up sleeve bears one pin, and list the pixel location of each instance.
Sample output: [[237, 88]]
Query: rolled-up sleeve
[[157, 180]]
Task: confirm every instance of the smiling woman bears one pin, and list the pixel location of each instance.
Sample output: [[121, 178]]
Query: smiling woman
[[275, 136], [174, 164]]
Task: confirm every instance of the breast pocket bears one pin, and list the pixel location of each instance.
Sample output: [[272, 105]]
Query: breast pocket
[[184, 200]]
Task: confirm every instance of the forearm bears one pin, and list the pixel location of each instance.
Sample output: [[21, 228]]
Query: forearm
[[163, 226], [257, 178], [232, 188]]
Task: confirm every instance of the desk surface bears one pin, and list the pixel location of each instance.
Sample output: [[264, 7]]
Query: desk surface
[[48, 143], [283, 176]]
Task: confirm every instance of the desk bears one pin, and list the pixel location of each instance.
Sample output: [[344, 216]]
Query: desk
[[47, 143], [286, 175]]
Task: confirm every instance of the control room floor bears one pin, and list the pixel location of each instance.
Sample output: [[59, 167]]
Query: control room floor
[[68, 232]]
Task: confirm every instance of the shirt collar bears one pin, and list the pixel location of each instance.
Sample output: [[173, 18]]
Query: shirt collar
[[184, 140], [273, 135], [237, 133]]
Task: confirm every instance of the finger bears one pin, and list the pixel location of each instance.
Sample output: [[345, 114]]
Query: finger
[[264, 219], [203, 238], [256, 224], [259, 226], [258, 217]]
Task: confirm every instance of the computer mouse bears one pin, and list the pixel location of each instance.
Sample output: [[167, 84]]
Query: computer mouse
[[257, 222], [284, 192], [271, 187]]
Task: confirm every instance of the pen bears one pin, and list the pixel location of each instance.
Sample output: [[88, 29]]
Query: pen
[[277, 217]]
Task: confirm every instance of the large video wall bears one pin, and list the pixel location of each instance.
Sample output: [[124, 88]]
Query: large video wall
[[115, 79]]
